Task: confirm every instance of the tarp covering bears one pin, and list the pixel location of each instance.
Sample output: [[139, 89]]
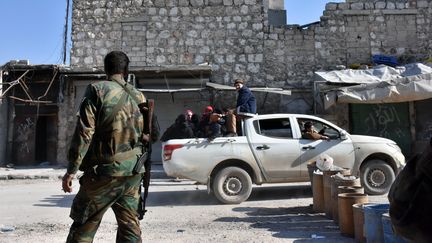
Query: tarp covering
[[256, 89], [382, 84], [216, 87], [373, 75]]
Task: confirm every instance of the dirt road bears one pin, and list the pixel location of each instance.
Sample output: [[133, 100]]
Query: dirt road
[[178, 211]]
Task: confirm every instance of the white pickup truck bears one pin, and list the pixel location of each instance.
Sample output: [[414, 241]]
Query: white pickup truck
[[271, 150]]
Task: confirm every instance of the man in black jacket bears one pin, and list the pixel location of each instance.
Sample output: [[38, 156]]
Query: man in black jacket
[[180, 129], [246, 101]]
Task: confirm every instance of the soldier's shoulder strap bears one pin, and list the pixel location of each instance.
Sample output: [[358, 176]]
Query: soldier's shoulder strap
[[114, 111], [128, 88], [146, 108]]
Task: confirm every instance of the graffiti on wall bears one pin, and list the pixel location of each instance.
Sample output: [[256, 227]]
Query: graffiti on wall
[[426, 134], [385, 120], [24, 130]]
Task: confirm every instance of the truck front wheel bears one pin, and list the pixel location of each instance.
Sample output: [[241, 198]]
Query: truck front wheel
[[376, 177], [232, 185]]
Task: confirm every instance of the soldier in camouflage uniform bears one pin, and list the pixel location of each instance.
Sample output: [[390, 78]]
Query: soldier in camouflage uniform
[[107, 154]]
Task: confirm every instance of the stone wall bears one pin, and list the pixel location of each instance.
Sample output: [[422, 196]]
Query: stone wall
[[67, 120], [4, 121], [234, 37], [353, 31], [228, 34]]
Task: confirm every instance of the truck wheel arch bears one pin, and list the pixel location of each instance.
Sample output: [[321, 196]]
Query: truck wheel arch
[[233, 163], [380, 156]]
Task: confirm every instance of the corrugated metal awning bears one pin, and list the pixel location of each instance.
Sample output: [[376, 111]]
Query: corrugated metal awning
[[214, 86], [255, 89]]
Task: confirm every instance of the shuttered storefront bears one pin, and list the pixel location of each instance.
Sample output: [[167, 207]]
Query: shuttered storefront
[[383, 120]]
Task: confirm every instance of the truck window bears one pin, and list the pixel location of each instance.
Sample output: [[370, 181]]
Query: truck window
[[280, 127], [321, 128]]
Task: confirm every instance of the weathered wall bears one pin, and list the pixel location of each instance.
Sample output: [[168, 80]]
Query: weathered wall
[[227, 34], [352, 32], [67, 120], [234, 37], [3, 131]]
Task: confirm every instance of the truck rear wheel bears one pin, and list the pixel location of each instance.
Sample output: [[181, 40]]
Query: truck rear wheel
[[232, 185]]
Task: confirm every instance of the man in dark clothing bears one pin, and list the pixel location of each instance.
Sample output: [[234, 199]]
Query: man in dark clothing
[[180, 129], [246, 101], [189, 114], [194, 124], [205, 121]]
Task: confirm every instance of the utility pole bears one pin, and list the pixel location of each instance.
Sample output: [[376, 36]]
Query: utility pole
[[66, 32]]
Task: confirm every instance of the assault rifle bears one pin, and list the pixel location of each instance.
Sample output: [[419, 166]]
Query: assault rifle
[[147, 111]]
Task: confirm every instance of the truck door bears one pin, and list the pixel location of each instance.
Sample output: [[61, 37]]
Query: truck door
[[274, 148], [341, 150]]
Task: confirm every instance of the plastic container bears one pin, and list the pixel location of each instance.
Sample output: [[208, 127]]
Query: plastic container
[[383, 59], [336, 181], [318, 193], [389, 235], [373, 222]]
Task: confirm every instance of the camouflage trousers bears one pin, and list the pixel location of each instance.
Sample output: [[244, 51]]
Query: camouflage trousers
[[96, 195]]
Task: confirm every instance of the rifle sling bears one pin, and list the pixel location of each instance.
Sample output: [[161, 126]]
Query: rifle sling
[[150, 105], [126, 88]]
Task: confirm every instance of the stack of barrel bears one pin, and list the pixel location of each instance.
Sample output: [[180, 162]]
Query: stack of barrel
[[341, 197]]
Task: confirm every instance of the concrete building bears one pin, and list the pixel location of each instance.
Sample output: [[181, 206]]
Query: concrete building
[[178, 47]]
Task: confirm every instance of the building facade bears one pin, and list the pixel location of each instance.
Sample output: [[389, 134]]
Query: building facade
[[177, 46]]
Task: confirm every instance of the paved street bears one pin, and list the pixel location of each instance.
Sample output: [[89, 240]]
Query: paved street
[[179, 211]]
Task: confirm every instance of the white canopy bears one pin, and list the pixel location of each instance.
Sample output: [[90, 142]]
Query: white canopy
[[256, 89], [382, 84], [216, 87]]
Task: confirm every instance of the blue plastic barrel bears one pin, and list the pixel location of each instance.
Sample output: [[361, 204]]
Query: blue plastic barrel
[[389, 235], [373, 223]]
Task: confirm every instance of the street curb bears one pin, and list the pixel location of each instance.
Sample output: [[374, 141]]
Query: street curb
[[28, 177], [33, 173]]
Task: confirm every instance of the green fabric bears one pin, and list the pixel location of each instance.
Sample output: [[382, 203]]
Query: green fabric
[[96, 195], [93, 145]]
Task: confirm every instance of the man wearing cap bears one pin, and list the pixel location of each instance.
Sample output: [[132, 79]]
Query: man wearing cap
[[246, 101]]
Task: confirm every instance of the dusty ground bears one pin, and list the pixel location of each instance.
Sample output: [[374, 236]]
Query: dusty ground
[[37, 211]]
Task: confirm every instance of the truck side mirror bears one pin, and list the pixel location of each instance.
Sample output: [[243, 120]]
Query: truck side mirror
[[343, 135]]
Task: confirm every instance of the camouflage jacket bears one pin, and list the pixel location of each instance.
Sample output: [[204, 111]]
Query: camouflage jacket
[[115, 146]]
